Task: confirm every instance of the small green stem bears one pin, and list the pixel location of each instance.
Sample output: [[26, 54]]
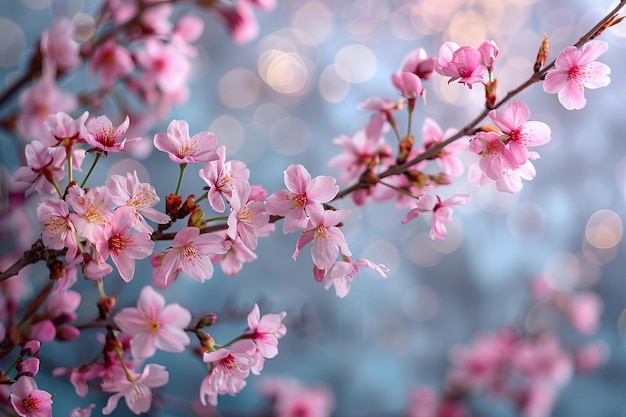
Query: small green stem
[[93, 165], [202, 197], [13, 365], [180, 177], [68, 155], [56, 186], [400, 190], [217, 219], [129, 376]]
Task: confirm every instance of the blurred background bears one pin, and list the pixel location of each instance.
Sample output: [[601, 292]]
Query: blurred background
[[281, 99]]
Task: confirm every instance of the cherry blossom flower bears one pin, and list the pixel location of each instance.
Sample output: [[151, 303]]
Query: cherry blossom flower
[[575, 69], [512, 120], [29, 401], [138, 392], [266, 330], [240, 21], [291, 398], [360, 153], [233, 259], [447, 158], [383, 108], [111, 61], [65, 130], [408, 85], [462, 63], [181, 148], [44, 167], [302, 196], [154, 325], [511, 179], [141, 197], [489, 51], [342, 273], [327, 238], [81, 412], [124, 247], [247, 217], [92, 211], [58, 230], [190, 253], [100, 133], [165, 66], [419, 63], [442, 211], [37, 102], [58, 46], [583, 310], [229, 370], [222, 177], [495, 156]]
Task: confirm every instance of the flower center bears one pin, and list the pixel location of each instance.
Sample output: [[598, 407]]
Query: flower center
[[31, 403], [297, 200], [154, 325]]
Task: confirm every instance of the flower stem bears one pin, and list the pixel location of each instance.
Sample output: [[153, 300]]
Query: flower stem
[[180, 177], [93, 165]]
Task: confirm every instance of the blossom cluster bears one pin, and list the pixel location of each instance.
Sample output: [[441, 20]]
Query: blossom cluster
[[106, 229]]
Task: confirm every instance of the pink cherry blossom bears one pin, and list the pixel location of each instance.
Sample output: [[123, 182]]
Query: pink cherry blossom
[[154, 325], [29, 401], [408, 85], [165, 66], [92, 211], [292, 398], [181, 148], [111, 61], [124, 247], [383, 108], [58, 230], [190, 253], [328, 240], [447, 158], [65, 130], [248, 217], [302, 196], [138, 392], [141, 197], [512, 120], [59, 47], [240, 21], [359, 153], [222, 177], [342, 273], [229, 370], [419, 63], [583, 311], [442, 211], [511, 179], [462, 63], [100, 133], [266, 330], [495, 156], [37, 102], [233, 259], [489, 51], [575, 69], [44, 167]]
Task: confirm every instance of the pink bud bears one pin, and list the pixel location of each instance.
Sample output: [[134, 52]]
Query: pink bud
[[65, 333], [28, 367], [30, 347], [44, 331]]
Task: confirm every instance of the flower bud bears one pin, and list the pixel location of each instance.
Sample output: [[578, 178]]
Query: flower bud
[[197, 219], [206, 320], [44, 331], [542, 54], [30, 347], [28, 367], [57, 269], [66, 333], [404, 149], [106, 305], [490, 93]]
